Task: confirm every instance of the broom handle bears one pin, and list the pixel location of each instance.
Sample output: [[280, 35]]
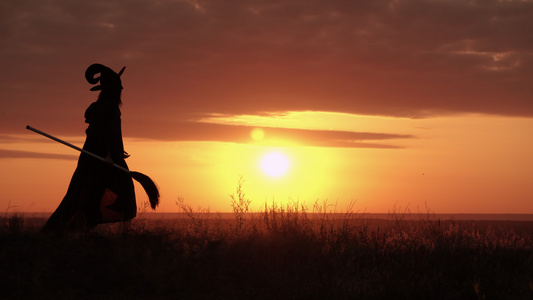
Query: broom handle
[[77, 148]]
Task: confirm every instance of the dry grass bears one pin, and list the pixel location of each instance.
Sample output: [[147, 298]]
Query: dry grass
[[283, 252]]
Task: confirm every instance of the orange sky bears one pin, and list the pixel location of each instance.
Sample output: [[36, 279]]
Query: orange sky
[[391, 104]]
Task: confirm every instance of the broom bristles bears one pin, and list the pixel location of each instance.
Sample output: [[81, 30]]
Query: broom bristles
[[149, 186]]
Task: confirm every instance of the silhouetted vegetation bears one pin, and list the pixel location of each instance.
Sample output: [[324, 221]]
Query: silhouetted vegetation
[[284, 252]]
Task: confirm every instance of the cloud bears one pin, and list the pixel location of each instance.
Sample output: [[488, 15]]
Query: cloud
[[5, 139], [187, 59], [199, 131], [30, 154]]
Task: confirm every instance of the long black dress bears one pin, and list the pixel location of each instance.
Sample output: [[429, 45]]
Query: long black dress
[[98, 193]]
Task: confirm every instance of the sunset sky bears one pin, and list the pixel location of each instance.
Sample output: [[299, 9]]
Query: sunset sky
[[393, 105]]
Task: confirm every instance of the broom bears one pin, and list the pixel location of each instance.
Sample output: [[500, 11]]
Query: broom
[[148, 184]]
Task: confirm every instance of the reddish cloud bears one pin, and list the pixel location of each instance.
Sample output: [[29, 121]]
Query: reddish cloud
[[31, 154], [187, 59]]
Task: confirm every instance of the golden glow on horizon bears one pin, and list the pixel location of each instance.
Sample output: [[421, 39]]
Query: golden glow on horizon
[[275, 164], [486, 159]]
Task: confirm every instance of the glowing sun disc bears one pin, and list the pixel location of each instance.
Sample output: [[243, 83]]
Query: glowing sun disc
[[275, 164]]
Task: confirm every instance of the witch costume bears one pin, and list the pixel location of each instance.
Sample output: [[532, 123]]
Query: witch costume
[[98, 193]]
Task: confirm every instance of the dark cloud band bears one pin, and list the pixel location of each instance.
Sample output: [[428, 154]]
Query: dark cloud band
[[30, 154]]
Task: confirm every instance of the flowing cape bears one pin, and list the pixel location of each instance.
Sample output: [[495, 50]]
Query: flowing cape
[[97, 193]]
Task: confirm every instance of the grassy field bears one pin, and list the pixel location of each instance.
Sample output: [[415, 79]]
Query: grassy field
[[284, 252]]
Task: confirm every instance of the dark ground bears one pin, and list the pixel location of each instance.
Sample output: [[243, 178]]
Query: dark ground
[[277, 255]]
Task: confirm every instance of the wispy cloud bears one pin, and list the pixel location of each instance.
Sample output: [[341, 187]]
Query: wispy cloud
[[30, 154], [199, 131]]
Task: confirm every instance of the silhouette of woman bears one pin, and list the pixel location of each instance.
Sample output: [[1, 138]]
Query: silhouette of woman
[[98, 193]]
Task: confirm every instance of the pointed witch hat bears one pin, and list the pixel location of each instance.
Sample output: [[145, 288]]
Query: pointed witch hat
[[108, 78]]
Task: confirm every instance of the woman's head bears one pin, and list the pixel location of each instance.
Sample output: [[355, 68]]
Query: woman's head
[[110, 83]]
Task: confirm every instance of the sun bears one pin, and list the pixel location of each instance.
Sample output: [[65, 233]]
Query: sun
[[275, 164]]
